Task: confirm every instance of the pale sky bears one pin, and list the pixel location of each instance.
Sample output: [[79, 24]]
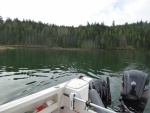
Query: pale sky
[[77, 12]]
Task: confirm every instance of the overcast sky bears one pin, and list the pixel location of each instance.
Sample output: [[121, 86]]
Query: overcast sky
[[77, 12]]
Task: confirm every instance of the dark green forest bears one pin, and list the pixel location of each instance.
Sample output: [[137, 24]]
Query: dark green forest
[[95, 35]]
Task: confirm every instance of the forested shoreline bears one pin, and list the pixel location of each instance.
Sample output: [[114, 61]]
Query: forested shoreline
[[92, 36]]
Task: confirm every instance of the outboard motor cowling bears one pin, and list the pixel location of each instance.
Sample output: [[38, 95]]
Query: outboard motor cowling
[[134, 90]]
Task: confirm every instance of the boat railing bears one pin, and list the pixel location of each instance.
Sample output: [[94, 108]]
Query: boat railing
[[87, 103]]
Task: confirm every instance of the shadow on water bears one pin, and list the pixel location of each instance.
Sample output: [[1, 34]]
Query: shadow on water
[[26, 71]]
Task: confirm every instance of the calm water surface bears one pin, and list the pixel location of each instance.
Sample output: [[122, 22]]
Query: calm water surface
[[26, 71]]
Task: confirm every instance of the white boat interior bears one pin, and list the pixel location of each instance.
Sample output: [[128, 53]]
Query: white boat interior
[[54, 99]]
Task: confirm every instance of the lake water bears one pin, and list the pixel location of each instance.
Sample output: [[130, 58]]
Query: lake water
[[26, 71]]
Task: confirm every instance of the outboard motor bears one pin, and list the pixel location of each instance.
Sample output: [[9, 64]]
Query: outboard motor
[[103, 90], [134, 90]]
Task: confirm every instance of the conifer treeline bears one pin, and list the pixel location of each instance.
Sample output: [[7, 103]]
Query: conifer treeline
[[98, 36]]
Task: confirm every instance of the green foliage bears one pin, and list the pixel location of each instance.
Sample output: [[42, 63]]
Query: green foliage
[[98, 36]]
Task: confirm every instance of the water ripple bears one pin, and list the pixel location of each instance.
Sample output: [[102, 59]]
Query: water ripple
[[30, 83]]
